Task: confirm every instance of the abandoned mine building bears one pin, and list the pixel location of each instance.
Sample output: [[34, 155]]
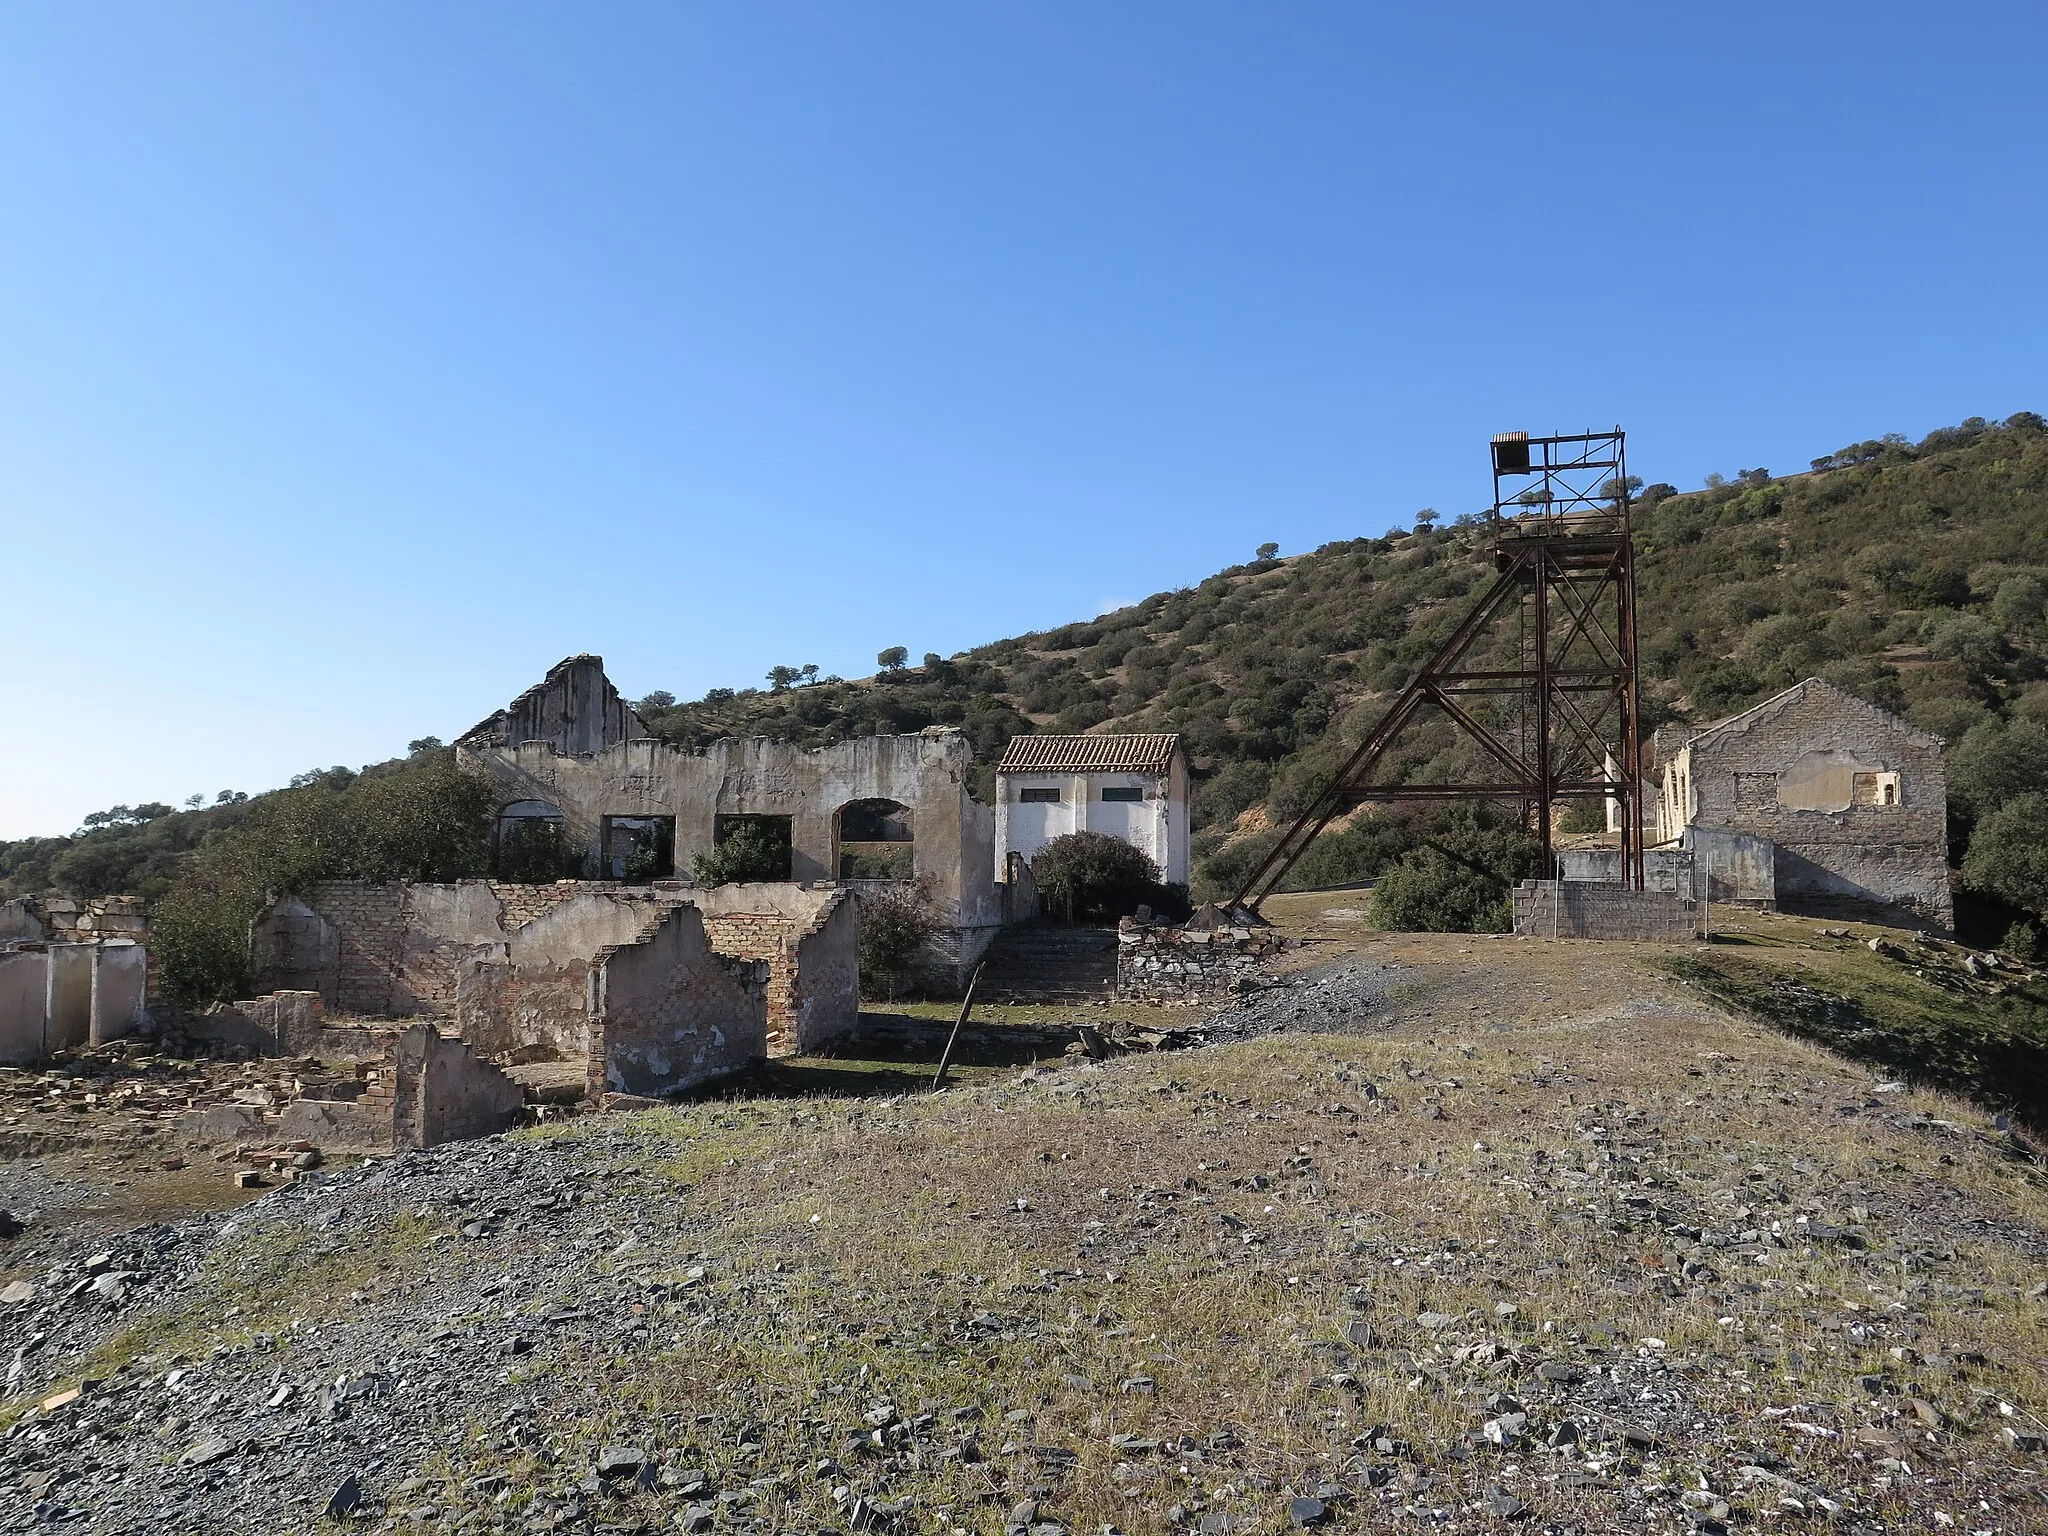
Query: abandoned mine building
[[591, 968], [1129, 787], [1813, 800]]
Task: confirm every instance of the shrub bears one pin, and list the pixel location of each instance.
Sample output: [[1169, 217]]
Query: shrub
[[1583, 816], [423, 819], [748, 850], [2008, 855], [895, 924], [1459, 880], [1086, 876]]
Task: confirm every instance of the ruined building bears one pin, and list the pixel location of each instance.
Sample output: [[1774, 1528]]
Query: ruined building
[[1850, 798], [581, 780], [72, 973]]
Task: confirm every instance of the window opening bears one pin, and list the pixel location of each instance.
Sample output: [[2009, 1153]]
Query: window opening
[[876, 841], [765, 841], [529, 846], [1039, 796], [1129, 794], [639, 847]]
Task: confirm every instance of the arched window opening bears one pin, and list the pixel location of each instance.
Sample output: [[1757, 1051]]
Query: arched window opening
[[876, 841]]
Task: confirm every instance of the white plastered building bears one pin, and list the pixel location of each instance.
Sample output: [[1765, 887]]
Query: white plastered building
[[1130, 787]]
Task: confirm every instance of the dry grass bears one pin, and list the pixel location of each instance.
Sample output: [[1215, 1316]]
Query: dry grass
[[1207, 1223]]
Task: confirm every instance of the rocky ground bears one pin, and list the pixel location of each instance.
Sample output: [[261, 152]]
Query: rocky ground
[[1442, 1234]]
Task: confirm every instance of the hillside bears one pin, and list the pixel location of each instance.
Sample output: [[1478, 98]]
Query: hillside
[[1915, 574]]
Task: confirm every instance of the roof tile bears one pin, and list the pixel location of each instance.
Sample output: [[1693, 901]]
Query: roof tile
[[1089, 754]]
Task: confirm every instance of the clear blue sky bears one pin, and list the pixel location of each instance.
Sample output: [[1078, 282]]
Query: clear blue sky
[[358, 361]]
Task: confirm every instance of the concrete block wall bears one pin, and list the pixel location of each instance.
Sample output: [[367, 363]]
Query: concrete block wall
[[1573, 909], [67, 1009], [119, 990], [24, 990]]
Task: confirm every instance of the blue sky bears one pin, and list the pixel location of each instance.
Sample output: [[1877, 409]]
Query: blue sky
[[359, 361]]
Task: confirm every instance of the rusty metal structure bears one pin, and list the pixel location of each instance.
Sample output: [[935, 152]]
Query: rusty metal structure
[[1560, 723]]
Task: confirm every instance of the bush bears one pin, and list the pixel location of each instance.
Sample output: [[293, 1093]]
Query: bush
[[1091, 876], [1459, 880], [895, 925], [2008, 855], [748, 851]]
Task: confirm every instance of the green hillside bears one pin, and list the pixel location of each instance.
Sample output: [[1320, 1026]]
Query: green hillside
[[1915, 574]]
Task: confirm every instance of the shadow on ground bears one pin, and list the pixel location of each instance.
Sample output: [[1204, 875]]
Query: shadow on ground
[[897, 1053]]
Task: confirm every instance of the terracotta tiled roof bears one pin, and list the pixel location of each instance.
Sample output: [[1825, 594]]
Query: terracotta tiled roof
[[1088, 754]]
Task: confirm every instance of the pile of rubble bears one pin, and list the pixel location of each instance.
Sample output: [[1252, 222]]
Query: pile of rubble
[[1215, 953]]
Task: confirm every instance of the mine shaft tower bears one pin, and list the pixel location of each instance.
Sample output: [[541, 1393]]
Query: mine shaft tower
[[1561, 722]]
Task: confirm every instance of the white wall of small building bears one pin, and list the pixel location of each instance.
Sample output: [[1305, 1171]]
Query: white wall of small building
[[1157, 824]]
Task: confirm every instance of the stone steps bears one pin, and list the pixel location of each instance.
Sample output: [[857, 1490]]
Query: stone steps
[[1041, 963]]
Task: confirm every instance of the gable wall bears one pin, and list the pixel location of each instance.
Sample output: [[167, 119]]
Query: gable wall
[[1896, 855]]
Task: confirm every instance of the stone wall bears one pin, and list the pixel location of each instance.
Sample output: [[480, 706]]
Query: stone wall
[[1166, 965], [668, 1012], [1807, 770], [1597, 910]]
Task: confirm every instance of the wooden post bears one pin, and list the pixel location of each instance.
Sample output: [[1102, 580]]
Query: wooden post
[[966, 1007]]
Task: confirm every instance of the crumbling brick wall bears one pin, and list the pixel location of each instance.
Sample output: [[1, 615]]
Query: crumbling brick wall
[[441, 1091], [533, 990], [669, 1012], [810, 941]]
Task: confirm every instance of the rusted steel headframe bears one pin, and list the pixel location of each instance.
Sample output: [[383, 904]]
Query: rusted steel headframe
[[1564, 557]]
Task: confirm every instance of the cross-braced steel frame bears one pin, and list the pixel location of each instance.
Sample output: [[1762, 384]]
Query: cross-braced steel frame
[[1565, 572]]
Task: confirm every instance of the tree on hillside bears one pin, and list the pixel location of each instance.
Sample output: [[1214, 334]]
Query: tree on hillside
[[893, 659], [1268, 551]]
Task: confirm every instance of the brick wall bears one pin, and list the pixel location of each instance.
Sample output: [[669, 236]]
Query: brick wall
[[370, 920], [669, 1012]]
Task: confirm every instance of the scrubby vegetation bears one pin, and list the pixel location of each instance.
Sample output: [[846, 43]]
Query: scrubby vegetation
[[419, 819], [1913, 574], [1093, 877], [896, 922]]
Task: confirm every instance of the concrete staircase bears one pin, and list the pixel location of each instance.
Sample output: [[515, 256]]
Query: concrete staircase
[[1043, 963]]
